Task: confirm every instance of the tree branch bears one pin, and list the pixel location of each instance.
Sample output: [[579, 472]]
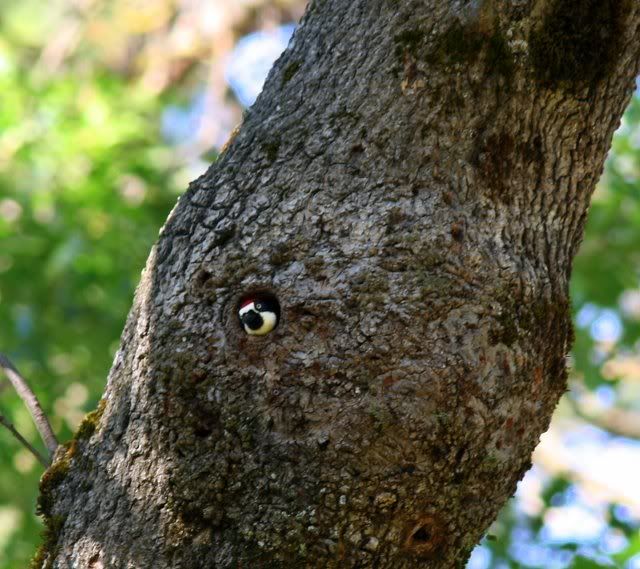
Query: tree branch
[[31, 401], [6, 423], [552, 456], [615, 421]]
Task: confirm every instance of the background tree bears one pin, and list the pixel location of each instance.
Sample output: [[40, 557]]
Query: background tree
[[22, 218]]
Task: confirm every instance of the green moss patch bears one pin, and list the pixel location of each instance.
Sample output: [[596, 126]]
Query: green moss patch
[[48, 550], [53, 524], [577, 42], [90, 422], [499, 56], [499, 155], [271, 149], [409, 41], [50, 480], [289, 71], [459, 44]]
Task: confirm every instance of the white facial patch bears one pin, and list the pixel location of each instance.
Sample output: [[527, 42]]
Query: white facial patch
[[246, 308]]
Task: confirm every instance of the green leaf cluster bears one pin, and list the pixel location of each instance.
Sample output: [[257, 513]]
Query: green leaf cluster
[[86, 181]]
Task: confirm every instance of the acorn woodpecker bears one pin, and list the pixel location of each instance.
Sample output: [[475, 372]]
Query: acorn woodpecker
[[259, 315]]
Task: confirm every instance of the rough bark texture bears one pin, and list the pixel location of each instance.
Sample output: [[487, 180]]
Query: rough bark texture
[[412, 185]]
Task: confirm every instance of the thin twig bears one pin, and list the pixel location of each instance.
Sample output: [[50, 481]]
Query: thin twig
[[30, 400], [6, 423]]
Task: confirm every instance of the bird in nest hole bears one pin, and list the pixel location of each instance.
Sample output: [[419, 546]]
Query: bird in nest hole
[[259, 315]]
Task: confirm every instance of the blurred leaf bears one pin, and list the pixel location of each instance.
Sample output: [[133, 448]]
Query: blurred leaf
[[632, 549], [586, 563]]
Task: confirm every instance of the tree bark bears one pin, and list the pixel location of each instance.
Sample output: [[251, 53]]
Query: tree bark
[[412, 184]]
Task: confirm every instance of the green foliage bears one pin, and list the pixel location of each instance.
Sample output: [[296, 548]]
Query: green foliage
[[586, 563], [608, 264], [86, 181]]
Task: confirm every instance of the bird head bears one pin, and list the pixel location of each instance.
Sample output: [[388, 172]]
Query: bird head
[[259, 314]]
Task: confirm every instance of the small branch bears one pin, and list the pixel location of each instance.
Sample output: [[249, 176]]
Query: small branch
[[615, 421], [6, 423], [30, 400]]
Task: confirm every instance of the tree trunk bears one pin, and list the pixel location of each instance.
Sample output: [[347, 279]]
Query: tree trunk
[[412, 185]]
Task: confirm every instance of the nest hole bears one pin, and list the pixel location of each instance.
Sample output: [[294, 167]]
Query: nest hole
[[421, 535], [424, 538], [264, 300]]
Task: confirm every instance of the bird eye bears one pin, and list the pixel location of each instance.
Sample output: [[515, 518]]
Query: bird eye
[[258, 306]]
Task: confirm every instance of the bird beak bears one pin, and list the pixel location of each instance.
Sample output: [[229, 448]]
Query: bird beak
[[251, 319]]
